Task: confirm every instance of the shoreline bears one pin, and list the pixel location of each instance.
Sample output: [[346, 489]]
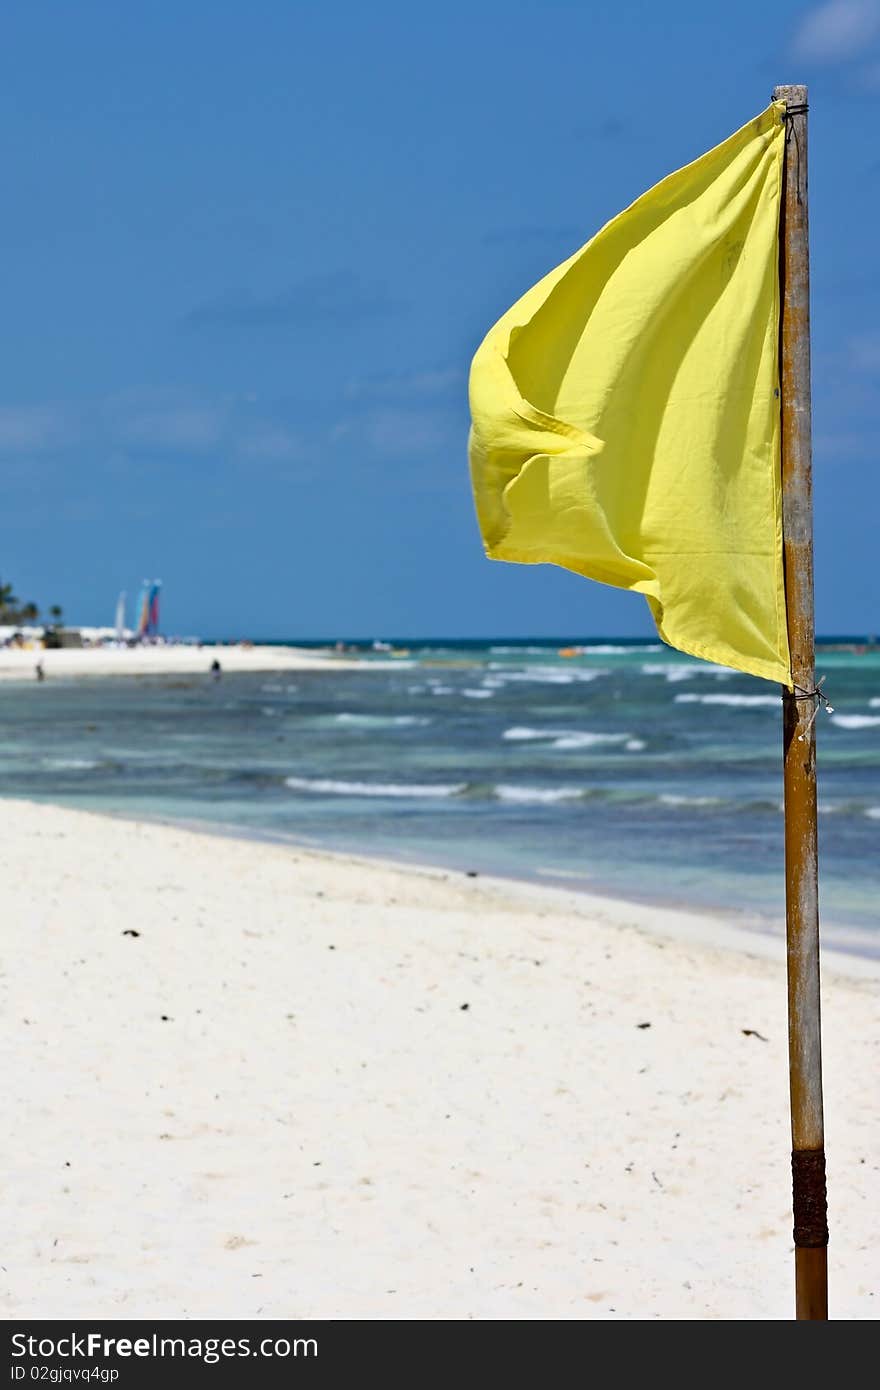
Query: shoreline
[[707, 925], [19, 664], [281, 1082]]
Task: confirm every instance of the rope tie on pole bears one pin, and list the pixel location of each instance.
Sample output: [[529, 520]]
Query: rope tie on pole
[[817, 694], [800, 110]]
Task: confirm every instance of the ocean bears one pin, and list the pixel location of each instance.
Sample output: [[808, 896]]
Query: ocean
[[624, 769]]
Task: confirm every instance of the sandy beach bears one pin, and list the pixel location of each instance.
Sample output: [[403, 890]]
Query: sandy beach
[[20, 663], [248, 1080]]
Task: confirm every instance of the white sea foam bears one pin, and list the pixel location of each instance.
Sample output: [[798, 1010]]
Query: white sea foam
[[329, 786], [634, 745], [551, 675], [608, 649], [551, 872], [368, 721], [519, 651], [873, 812], [875, 702], [478, 694], [565, 738], [855, 721], [735, 701], [583, 739], [536, 794], [684, 671], [674, 673], [70, 764], [674, 799], [568, 738]]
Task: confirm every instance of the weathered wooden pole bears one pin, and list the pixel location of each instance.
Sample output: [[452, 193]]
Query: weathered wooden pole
[[799, 730]]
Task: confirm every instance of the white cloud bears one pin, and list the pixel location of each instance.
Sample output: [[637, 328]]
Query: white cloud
[[270, 443], [177, 427], [837, 30], [34, 428], [163, 418], [397, 433], [435, 381], [392, 418]]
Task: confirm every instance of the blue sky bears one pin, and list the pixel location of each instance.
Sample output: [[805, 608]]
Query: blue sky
[[249, 250]]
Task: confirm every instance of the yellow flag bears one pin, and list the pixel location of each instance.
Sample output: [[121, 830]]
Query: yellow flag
[[626, 409]]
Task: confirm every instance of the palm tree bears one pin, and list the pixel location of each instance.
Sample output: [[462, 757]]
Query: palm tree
[[29, 613], [56, 613], [8, 600]]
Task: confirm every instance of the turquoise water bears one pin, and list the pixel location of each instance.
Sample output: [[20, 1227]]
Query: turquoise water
[[628, 769]]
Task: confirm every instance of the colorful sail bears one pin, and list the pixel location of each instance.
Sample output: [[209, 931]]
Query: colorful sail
[[148, 622]]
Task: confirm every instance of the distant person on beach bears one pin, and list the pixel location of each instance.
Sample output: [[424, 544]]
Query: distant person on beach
[[216, 669], [41, 674]]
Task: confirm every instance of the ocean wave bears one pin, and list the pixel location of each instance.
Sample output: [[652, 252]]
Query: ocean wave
[[537, 794], [549, 871], [734, 701], [855, 721], [874, 703], [673, 673], [548, 675], [730, 806], [873, 813], [566, 738], [71, 764], [374, 721], [521, 651], [478, 694], [331, 787], [677, 799], [608, 649]]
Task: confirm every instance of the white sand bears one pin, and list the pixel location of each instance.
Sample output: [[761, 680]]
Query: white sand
[[320, 1128], [171, 660]]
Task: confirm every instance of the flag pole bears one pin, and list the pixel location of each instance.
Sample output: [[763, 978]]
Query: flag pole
[[799, 730]]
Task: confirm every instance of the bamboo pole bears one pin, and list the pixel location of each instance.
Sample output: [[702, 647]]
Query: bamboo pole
[[799, 731]]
